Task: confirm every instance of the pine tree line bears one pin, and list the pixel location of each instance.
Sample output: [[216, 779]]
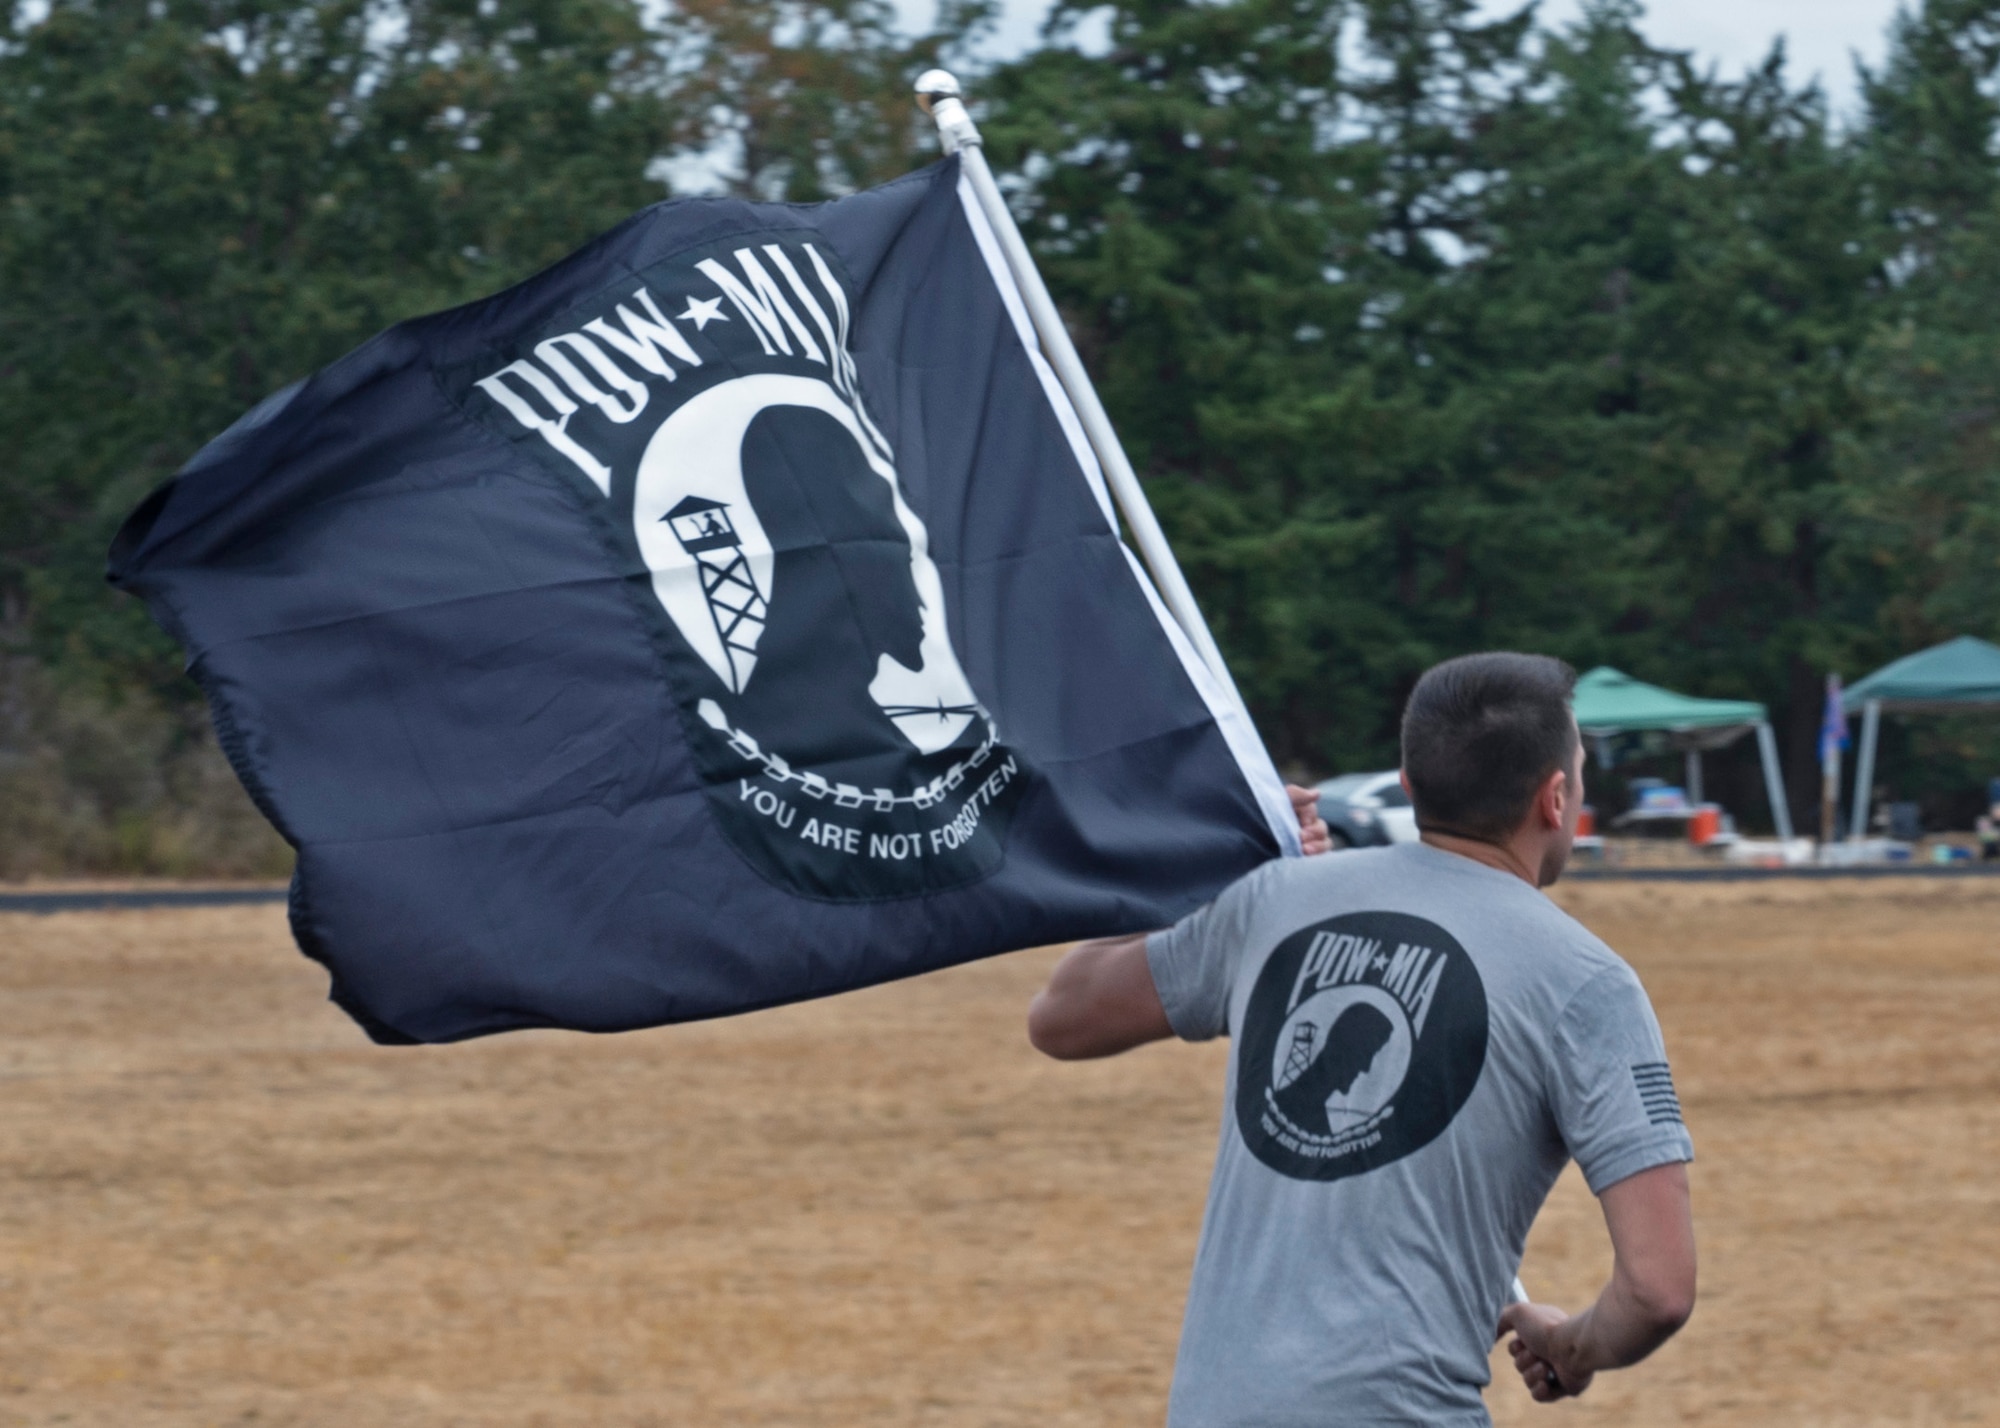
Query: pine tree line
[[1428, 332]]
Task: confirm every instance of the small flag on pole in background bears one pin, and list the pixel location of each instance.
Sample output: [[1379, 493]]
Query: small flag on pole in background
[[733, 613], [1832, 739], [1832, 726]]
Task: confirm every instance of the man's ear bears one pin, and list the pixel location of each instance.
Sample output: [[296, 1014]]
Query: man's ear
[[1552, 798]]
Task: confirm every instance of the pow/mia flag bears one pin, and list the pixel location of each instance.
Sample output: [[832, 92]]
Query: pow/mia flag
[[729, 615]]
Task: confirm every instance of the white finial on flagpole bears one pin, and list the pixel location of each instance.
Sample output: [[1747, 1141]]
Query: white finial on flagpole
[[936, 84], [939, 96]]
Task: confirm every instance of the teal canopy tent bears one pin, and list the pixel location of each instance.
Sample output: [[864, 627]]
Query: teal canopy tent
[[1610, 702], [1959, 674]]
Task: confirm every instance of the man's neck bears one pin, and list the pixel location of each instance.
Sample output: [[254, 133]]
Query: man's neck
[[1501, 856]]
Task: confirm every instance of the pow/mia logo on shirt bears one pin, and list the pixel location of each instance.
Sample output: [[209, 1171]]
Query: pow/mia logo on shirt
[[1363, 1037], [709, 412]]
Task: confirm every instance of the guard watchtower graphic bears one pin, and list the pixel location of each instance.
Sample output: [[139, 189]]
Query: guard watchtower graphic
[[735, 603], [1299, 1055]]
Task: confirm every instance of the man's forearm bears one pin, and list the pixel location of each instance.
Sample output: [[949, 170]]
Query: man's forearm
[[1621, 1328], [1652, 1286]]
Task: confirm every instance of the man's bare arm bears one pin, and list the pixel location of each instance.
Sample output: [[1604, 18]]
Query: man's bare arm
[[1100, 1001], [1651, 1293]]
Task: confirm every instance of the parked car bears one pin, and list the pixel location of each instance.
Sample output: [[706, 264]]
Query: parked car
[[1367, 810]]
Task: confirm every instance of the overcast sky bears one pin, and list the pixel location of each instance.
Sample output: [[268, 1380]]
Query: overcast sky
[[1821, 35]]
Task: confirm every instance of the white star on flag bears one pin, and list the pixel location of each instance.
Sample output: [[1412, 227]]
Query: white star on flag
[[702, 311]]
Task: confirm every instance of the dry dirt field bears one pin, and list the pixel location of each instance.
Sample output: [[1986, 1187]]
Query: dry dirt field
[[219, 1205]]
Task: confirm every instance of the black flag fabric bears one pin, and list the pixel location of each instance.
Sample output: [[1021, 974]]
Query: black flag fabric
[[733, 613]]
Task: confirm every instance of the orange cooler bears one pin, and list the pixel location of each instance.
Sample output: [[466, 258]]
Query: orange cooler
[[1705, 824]]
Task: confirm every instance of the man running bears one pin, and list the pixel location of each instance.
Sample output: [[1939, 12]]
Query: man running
[[1422, 1041]]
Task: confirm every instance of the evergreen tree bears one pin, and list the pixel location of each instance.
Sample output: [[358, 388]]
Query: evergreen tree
[[1433, 334], [806, 102], [1920, 474], [1752, 367], [1254, 214], [1429, 331], [207, 199]]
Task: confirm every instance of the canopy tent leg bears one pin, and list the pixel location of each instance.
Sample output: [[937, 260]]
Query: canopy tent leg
[[1691, 762], [1864, 769], [1774, 786]]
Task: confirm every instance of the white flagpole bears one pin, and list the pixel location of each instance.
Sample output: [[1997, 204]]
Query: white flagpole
[[938, 94]]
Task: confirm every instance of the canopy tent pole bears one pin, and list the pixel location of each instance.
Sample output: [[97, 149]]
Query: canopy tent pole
[[938, 93], [1774, 786], [1864, 769], [1609, 702]]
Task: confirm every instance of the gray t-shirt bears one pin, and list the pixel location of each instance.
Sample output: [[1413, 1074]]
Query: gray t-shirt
[[1422, 1042]]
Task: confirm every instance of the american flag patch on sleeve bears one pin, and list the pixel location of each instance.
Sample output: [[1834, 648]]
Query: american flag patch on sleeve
[[1656, 1092]]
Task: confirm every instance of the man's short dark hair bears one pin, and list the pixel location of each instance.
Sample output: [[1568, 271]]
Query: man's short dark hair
[[1480, 734]]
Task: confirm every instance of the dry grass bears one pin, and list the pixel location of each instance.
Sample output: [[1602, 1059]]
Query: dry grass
[[218, 1205]]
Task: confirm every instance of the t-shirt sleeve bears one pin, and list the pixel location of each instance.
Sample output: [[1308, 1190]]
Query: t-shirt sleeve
[[1194, 961], [1615, 1102]]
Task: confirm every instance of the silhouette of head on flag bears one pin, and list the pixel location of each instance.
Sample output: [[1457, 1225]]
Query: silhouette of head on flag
[[842, 596], [815, 491]]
